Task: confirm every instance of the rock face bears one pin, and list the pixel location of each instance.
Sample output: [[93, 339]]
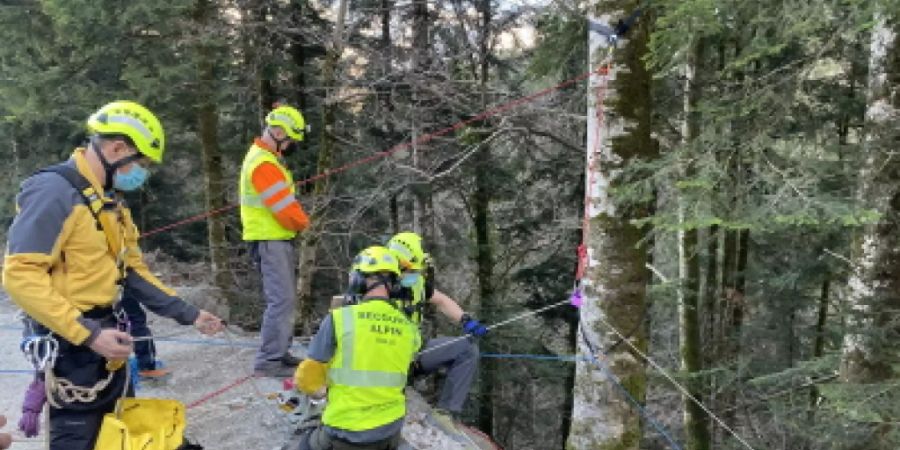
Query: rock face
[[221, 414], [418, 432]]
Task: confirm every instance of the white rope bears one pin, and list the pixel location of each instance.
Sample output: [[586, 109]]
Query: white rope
[[678, 385], [253, 384], [496, 325], [41, 351], [69, 392]]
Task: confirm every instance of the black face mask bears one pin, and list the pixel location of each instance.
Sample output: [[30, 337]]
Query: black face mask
[[290, 149]]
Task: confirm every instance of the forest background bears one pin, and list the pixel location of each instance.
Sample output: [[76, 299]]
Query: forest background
[[742, 232]]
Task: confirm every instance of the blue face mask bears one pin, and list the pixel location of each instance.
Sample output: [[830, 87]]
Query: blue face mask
[[131, 180], [409, 279]]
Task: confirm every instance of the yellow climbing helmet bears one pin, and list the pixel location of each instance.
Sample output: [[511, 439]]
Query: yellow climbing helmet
[[376, 259], [407, 247], [131, 119], [289, 119]]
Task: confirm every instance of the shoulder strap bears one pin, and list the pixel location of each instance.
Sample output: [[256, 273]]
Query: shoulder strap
[[89, 195], [93, 200]]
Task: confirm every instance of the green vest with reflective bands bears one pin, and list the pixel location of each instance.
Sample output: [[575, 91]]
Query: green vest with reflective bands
[[258, 221], [376, 344]]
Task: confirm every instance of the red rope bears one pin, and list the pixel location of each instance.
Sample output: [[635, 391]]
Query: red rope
[[600, 90], [421, 140], [482, 435], [218, 392]]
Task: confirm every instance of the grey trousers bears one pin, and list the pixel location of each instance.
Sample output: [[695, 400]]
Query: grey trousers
[[276, 262], [461, 360], [319, 439]]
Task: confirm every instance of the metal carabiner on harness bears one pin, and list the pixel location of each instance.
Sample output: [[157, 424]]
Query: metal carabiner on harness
[[40, 351]]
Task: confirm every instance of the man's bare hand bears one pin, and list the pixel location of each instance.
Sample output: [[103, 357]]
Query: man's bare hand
[[208, 323], [112, 344], [5, 438]]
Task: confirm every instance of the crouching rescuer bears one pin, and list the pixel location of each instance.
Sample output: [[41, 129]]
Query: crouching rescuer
[[364, 351], [459, 356], [72, 248]]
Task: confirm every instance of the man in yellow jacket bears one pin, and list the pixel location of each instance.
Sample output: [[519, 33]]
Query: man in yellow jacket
[[364, 351], [71, 249], [271, 217]]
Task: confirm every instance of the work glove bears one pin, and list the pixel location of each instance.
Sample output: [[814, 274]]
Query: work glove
[[35, 397], [472, 326]]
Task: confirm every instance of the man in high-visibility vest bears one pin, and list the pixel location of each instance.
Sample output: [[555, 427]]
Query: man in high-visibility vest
[[271, 217], [71, 249], [458, 356], [364, 351]]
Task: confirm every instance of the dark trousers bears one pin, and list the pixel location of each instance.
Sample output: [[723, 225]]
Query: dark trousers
[[75, 426], [74, 429], [319, 439], [144, 351]]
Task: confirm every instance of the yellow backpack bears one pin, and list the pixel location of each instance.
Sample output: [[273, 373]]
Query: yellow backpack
[[143, 424]]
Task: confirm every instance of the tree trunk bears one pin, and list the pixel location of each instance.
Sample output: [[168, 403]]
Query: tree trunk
[[731, 315], [423, 208], [819, 345], [874, 287], [616, 277], [484, 258], [695, 420], [263, 70], [298, 56], [309, 242], [712, 292], [213, 179]]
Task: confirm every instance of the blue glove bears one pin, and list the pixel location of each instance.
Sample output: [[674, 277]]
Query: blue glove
[[473, 326]]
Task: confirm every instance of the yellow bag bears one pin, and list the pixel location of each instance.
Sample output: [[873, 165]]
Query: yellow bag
[[143, 424]]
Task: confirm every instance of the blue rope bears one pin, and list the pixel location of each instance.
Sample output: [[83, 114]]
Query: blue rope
[[605, 370], [208, 342], [17, 371]]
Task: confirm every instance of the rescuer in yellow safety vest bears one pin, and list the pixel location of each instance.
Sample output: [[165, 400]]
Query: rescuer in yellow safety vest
[[361, 356], [458, 356]]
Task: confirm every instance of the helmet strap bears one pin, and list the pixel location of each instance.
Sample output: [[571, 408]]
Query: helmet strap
[[390, 285], [111, 168], [278, 142]]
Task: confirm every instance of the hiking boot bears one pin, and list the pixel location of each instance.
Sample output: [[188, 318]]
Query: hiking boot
[[290, 360], [276, 370], [154, 374], [444, 421]]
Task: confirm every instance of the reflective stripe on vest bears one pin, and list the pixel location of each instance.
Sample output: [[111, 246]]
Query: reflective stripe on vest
[[346, 375], [258, 221], [418, 291], [376, 344]]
